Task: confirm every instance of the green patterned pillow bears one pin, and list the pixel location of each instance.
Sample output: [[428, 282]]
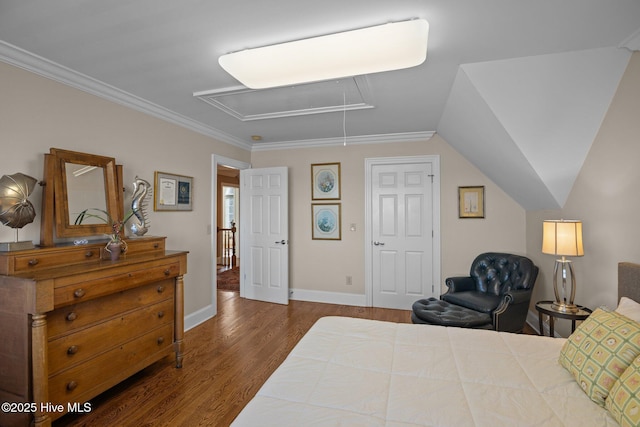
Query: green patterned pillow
[[623, 402], [600, 350]]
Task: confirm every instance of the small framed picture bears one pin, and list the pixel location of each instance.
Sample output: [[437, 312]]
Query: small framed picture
[[471, 202], [325, 181], [325, 221], [172, 192]]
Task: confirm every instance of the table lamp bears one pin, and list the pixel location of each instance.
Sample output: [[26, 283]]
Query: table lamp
[[564, 238]]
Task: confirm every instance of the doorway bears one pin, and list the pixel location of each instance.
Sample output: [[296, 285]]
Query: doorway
[[223, 171], [228, 228], [402, 220]]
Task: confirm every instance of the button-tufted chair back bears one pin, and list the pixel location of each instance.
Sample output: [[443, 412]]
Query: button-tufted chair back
[[498, 273]]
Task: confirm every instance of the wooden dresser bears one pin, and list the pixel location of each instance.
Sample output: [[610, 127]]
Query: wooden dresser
[[73, 323]]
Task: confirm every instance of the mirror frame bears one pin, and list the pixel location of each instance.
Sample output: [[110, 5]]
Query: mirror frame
[[55, 205]]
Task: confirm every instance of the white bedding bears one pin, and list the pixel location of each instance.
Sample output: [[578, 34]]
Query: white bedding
[[356, 372]]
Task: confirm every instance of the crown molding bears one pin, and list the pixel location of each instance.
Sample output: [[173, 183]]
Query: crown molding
[[21, 58], [351, 140]]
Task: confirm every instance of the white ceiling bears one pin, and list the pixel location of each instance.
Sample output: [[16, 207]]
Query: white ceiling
[[517, 86]]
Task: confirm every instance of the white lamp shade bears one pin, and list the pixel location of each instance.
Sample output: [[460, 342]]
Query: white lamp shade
[[369, 50], [562, 237]]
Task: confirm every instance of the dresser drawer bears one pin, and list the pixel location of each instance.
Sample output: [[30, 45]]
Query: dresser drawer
[[58, 257], [86, 343], [139, 245], [80, 289], [72, 317], [36, 260], [94, 376]]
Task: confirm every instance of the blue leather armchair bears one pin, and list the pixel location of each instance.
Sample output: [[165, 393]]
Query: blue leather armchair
[[498, 284]]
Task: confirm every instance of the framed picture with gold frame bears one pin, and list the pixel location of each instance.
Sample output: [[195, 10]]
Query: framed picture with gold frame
[[471, 202], [325, 181], [325, 221]]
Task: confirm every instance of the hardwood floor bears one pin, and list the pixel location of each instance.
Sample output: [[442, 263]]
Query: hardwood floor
[[227, 359]]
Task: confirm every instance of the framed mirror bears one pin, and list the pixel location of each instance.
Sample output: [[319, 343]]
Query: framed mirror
[[77, 182]]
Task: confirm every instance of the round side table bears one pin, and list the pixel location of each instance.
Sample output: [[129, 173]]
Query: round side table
[[544, 307]]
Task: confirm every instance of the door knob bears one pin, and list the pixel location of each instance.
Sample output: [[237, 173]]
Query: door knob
[[378, 243], [281, 242]]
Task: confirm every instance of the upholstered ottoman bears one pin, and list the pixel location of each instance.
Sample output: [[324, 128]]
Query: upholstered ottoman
[[433, 311]]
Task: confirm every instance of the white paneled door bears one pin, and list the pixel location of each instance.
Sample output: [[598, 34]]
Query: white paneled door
[[402, 234], [264, 266]]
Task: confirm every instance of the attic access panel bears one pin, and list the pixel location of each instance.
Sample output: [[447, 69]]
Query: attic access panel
[[351, 93]]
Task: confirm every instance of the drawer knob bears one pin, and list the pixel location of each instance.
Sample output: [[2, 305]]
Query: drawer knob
[[72, 316], [79, 293], [72, 350], [33, 261], [161, 314], [160, 340], [160, 289], [88, 254], [167, 272], [71, 385], [156, 246]]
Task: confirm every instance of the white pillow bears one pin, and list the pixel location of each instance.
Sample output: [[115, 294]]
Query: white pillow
[[629, 308]]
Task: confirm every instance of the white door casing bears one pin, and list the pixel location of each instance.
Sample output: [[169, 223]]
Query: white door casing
[[264, 247], [402, 239]]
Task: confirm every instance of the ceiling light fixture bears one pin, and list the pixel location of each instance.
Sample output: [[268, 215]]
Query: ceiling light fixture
[[369, 50]]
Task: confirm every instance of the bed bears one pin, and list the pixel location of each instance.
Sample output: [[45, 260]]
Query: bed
[[358, 372]]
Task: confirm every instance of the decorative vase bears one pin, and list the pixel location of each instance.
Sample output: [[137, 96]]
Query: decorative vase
[[114, 249]]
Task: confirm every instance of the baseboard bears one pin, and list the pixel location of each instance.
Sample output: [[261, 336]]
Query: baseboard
[[327, 297], [194, 319], [532, 320]]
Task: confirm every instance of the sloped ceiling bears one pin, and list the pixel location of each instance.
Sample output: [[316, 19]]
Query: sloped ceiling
[[528, 123]]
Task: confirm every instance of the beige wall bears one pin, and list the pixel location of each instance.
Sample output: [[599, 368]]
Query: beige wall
[[606, 197], [323, 265], [37, 113]]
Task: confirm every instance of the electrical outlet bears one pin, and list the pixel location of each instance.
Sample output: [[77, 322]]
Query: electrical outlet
[[349, 281]]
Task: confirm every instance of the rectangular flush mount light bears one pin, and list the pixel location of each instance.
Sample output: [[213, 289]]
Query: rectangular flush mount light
[[369, 50]]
